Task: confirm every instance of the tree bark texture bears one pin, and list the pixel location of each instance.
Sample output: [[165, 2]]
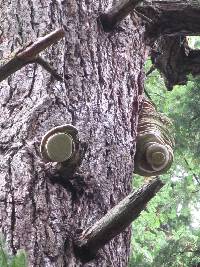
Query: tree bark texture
[[101, 97], [173, 57], [172, 17]]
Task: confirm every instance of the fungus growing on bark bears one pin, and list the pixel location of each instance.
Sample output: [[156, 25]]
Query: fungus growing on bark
[[62, 145], [58, 144], [59, 147], [155, 142]]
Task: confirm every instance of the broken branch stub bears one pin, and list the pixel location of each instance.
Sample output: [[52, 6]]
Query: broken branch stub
[[175, 60], [29, 55], [154, 143], [115, 221], [110, 19], [11, 67]]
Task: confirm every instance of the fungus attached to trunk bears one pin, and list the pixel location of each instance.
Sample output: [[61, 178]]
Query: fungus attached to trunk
[[59, 147], [62, 145], [58, 144], [155, 142]]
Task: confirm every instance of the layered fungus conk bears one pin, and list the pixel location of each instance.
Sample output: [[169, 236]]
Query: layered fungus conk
[[155, 142]]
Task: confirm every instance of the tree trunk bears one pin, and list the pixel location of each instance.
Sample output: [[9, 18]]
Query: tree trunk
[[100, 96]]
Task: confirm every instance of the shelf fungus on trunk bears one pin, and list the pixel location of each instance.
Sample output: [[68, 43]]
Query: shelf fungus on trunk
[[61, 145], [58, 144], [155, 142]]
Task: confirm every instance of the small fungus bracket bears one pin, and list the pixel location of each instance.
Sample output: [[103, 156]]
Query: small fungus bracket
[[61, 145]]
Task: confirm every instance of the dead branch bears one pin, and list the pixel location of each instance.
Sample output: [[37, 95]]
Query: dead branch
[[175, 60], [115, 221], [110, 19], [48, 68], [29, 54]]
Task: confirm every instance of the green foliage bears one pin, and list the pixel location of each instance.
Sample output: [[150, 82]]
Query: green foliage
[[182, 106], [194, 42], [167, 233], [8, 260], [163, 235]]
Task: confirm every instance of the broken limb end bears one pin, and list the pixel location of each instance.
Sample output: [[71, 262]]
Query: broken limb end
[[93, 238], [107, 22]]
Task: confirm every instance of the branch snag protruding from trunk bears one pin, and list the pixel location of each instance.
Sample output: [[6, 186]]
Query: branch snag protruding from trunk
[[115, 221], [30, 54], [110, 19]]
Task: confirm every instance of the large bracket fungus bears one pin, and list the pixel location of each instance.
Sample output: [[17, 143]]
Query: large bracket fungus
[[155, 142]]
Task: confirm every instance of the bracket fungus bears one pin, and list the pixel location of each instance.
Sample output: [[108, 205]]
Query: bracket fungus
[[155, 142], [62, 145], [58, 144]]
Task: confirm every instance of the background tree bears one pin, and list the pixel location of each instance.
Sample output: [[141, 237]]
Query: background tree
[[101, 96]]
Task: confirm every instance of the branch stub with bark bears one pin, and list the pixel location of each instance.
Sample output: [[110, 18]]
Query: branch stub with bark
[[30, 54], [115, 221], [110, 19]]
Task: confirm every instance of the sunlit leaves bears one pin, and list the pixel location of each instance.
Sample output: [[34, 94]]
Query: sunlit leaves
[[8, 260], [19, 260]]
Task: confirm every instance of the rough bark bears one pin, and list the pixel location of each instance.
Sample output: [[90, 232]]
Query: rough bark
[[175, 60], [100, 97]]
